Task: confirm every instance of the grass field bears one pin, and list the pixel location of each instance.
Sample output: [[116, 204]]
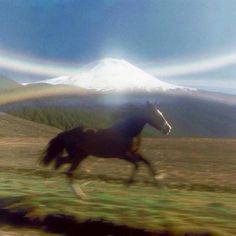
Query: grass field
[[199, 193]]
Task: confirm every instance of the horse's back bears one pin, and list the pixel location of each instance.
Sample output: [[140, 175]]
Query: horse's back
[[72, 138]]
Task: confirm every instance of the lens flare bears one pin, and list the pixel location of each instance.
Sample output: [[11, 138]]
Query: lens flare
[[36, 66], [195, 67], [52, 69]]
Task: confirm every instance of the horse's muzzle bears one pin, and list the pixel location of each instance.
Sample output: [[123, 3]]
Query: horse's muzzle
[[166, 129]]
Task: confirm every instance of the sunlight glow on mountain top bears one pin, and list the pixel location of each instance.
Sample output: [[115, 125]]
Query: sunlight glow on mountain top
[[113, 74]]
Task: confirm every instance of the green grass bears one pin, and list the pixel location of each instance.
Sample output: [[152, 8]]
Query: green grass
[[199, 192], [141, 205]]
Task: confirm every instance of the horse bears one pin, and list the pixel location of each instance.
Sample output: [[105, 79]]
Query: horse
[[122, 140]]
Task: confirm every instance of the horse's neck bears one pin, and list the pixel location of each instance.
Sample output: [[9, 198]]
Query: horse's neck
[[130, 127]]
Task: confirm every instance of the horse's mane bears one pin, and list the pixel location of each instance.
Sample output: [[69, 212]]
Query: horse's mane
[[129, 111], [129, 120]]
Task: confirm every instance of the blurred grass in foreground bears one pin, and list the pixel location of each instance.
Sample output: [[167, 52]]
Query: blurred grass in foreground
[[199, 193]]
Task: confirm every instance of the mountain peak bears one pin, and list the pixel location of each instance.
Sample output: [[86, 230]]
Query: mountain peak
[[110, 74], [111, 60]]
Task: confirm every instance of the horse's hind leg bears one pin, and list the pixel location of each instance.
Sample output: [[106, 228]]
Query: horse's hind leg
[[70, 175], [61, 160]]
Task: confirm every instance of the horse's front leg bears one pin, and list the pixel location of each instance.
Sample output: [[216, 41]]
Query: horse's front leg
[[140, 158], [152, 171], [130, 158], [133, 174]]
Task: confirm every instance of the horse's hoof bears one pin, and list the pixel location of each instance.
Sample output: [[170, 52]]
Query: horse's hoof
[[79, 192], [160, 176]]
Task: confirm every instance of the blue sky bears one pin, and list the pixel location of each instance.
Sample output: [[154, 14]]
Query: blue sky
[[141, 31]]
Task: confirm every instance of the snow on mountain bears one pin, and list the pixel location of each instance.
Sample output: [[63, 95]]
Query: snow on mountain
[[113, 75]]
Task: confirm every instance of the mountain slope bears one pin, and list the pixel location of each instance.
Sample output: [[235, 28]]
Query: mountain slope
[[34, 91], [189, 116], [6, 84], [113, 75], [11, 126]]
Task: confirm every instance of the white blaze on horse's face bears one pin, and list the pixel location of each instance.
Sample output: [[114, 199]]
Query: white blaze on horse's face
[[164, 125], [157, 120]]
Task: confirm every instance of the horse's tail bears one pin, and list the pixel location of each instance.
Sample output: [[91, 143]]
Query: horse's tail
[[54, 149]]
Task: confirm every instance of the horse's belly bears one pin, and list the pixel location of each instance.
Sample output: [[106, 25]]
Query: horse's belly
[[104, 146], [106, 149]]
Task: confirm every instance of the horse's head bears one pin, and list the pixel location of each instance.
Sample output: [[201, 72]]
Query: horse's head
[[156, 119]]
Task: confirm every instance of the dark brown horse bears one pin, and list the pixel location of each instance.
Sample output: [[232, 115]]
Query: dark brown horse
[[121, 140]]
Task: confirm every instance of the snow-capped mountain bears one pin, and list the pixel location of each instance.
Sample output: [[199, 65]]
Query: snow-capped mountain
[[113, 75]]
